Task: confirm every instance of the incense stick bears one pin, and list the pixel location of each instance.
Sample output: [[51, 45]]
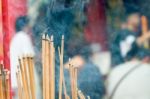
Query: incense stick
[[26, 95], [26, 71], [52, 68], [47, 68], [1, 82], [71, 80], [61, 52], [29, 76], [60, 76], [7, 85], [4, 83], [75, 83], [43, 63], [32, 76], [19, 85], [81, 95]]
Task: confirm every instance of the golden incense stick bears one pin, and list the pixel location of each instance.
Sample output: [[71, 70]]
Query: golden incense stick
[[19, 85], [3, 78], [71, 80], [52, 68], [61, 52], [43, 63], [33, 78], [1, 87], [26, 71], [26, 95], [7, 84], [60, 76], [81, 96], [75, 83], [47, 68]]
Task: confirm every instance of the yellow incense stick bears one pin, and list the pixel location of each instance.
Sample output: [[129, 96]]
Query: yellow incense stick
[[75, 83], [52, 68], [60, 77], [81, 95], [7, 85], [19, 86], [33, 78], [2, 78], [47, 64], [23, 80], [1, 87], [26, 71], [43, 63]]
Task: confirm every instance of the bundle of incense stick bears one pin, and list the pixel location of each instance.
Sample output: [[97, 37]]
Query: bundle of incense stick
[[25, 78], [48, 64], [75, 92], [73, 81], [4, 83]]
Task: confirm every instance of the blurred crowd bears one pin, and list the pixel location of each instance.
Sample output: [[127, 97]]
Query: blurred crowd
[[121, 72]]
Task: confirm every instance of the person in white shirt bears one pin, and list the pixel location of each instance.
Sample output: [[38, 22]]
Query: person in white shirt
[[20, 45]]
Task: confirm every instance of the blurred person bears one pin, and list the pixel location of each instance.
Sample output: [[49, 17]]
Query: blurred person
[[20, 45], [130, 80], [90, 80], [127, 38]]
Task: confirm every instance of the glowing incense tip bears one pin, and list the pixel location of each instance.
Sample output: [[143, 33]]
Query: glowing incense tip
[[43, 36], [52, 38], [23, 55], [62, 37], [18, 66], [69, 59], [88, 97], [79, 91], [47, 37], [19, 57], [31, 55], [27, 55]]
